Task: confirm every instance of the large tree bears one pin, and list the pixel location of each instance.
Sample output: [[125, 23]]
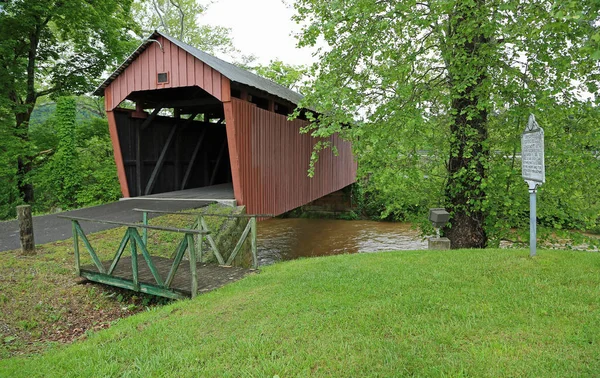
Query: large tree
[[51, 47], [443, 89], [179, 18], [288, 75]]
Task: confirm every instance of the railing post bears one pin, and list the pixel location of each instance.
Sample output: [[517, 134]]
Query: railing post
[[193, 272], [253, 241], [199, 250], [76, 246], [145, 230], [134, 262], [199, 236]]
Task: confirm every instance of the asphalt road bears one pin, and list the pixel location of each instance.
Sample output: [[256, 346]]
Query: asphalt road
[[49, 228]]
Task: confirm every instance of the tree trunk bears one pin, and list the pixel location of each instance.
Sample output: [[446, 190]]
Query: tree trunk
[[23, 110], [466, 172], [25, 186], [468, 150], [24, 161]]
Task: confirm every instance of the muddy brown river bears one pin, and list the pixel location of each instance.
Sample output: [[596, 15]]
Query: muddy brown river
[[287, 239]]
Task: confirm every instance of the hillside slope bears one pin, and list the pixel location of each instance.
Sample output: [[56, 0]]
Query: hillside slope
[[460, 313]]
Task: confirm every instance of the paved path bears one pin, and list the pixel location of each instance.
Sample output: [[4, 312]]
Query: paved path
[[49, 228], [221, 192]]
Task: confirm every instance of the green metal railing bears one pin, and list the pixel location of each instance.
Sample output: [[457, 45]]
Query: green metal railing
[[135, 242], [201, 225]]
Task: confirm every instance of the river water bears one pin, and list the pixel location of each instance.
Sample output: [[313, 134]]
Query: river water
[[291, 238]]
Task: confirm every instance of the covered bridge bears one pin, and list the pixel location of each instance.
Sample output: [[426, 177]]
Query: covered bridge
[[201, 122]]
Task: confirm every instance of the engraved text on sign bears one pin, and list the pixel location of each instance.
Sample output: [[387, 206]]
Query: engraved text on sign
[[532, 153]]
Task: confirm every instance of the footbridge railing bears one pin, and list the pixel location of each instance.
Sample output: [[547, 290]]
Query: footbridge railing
[[201, 225], [160, 270]]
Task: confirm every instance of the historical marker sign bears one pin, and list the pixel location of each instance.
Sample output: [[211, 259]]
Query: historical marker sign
[[533, 171], [532, 152]]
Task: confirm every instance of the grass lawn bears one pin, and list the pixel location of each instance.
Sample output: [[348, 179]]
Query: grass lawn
[[424, 313]]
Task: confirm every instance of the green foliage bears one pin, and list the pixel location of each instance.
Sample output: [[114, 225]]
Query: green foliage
[[87, 108], [442, 90], [64, 165], [9, 149], [349, 215], [570, 197], [288, 75], [99, 182], [51, 47], [71, 42], [178, 18], [75, 164], [589, 14]]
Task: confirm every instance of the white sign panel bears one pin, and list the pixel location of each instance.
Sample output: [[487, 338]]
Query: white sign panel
[[532, 152]]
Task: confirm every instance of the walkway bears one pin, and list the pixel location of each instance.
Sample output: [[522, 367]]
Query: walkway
[[220, 193], [50, 228]]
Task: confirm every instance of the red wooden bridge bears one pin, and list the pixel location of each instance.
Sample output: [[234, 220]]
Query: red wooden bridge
[[205, 129]]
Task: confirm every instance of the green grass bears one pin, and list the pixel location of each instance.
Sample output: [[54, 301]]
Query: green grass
[[456, 313]]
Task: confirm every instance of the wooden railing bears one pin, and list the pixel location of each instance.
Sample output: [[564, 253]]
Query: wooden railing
[[201, 225], [135, 241]]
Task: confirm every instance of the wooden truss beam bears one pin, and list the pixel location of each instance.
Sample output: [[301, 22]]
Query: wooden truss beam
[[193, 102], [160, 162], [163, 154], [218, 163], [138, 161], [138, 151], [151, 117], [192, 160], [189, 120]]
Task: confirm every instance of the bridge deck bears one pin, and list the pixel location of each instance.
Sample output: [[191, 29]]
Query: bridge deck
[[220, 193], [210, 276]]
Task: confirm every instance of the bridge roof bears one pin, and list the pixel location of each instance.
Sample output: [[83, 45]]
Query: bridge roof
[[232, 72]]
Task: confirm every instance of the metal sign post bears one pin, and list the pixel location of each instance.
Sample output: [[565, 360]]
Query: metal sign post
[[533, 171]]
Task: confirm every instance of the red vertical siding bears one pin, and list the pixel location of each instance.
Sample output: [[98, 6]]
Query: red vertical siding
[[166, 63], [190, 77], [233, 127], [272, 160], [114, 137], [183, 68], [144, 64]]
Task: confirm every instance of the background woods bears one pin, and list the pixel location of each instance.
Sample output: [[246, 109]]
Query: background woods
[[52, 48], [434, 96]]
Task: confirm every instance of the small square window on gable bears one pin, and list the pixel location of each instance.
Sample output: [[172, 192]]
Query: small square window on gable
[[162, 78]]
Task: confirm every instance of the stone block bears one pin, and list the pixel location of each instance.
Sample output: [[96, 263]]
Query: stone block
[[438, 243]]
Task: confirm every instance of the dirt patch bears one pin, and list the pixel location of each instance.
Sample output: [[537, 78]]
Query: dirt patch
[[32, 321]]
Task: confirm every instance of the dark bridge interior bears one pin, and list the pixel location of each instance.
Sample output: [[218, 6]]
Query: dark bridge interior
[[185, 147]]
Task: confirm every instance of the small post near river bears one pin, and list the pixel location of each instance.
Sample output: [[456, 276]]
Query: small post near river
[[533, 171], [26, 230]]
